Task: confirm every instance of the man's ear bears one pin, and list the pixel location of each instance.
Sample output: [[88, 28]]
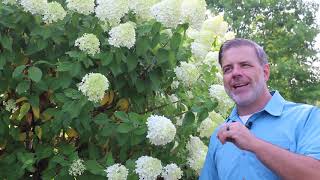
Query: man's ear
[[266, 71]]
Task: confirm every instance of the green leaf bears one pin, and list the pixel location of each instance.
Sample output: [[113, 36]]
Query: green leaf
[[35, 73], [17, 73], [162, 56], [72, 93], [132, 62], [154, 76], [189, 118], [94, 167], [34, 101], [106, 58], [23, 87], [175, 41], [115, 68], [110, 160], [142, 46], [101, 119], [64, 66], [6, 42], [121, 115], [124, 128], [23, 110]]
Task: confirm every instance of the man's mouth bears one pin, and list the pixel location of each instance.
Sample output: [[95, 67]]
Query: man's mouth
[[236, 86]]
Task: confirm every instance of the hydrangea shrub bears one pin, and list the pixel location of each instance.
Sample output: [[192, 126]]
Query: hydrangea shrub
[[126, 89]]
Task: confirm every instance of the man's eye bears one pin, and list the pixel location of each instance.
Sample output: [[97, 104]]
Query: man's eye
[[246, 65], [226, 70]]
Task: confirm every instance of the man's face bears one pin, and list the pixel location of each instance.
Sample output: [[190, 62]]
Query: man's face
[[244, 77]]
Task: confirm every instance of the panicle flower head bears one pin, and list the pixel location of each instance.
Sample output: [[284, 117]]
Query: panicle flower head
[[34, 6], [111, 10], [10, 105], [77, 168], [167, 12], [85, 7], [11, 2], [94, 85], [229, 35], [224, 102], [88, 43], [117, 172], [160, 130], [142, 8], [187, 73], [123, 35], [197, 153], [206, 127], [192, 33], [175, 84], [54, 12], [216, 117], [211, 59], [215, 24], [171, 172], [199, 50], [217, 91], [148, 168], [193, 12]]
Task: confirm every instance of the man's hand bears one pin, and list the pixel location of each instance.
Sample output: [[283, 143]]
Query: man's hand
[[238, 134]]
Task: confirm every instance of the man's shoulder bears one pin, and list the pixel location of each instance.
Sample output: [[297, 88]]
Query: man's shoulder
[[294, 108]]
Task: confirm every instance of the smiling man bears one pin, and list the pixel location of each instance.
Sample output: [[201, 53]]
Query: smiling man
[[265, 137]]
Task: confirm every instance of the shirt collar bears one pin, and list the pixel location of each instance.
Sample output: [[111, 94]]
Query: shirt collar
[[273, 107], [275, 104]]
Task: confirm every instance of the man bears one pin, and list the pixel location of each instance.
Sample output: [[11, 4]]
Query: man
[[265, 137]]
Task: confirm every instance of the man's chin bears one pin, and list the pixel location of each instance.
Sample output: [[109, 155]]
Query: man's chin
[[241, 101]]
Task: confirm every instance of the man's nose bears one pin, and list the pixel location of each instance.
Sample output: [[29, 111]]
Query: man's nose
[[237, 72]]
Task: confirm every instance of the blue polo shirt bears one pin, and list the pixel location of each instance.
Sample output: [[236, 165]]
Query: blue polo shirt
[[291, 126]]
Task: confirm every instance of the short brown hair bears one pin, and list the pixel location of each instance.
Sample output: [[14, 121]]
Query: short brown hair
[[237, 42]]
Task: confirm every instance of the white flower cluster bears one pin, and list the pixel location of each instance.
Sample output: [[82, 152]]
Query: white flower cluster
[[167, 12], [142, 8], [77, 167], [197, 153], [174, 12], [11, 2], [216, 117], [224, 102], [54, 12], [85, 7], [148, 168], [111, 10], [175, 84], [88, 43], [160, 130], [187, 73], [193, 12], [213, 29], [171, 172], [117, 172], [206, 127], [123, 35], [10, 105], [34, 6], [216, 25], [199, 50], [211, 59], [217, 91], [94, 85]]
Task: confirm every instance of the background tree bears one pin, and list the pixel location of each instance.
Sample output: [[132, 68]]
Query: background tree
[[286, 29]]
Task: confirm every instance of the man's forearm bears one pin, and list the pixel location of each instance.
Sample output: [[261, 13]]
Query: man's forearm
[[288, 165]]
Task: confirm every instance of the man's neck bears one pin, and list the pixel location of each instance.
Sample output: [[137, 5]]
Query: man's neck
[[255, 106]]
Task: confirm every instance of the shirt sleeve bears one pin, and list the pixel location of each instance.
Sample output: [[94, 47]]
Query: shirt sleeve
[[308, 143], [209, 170]]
